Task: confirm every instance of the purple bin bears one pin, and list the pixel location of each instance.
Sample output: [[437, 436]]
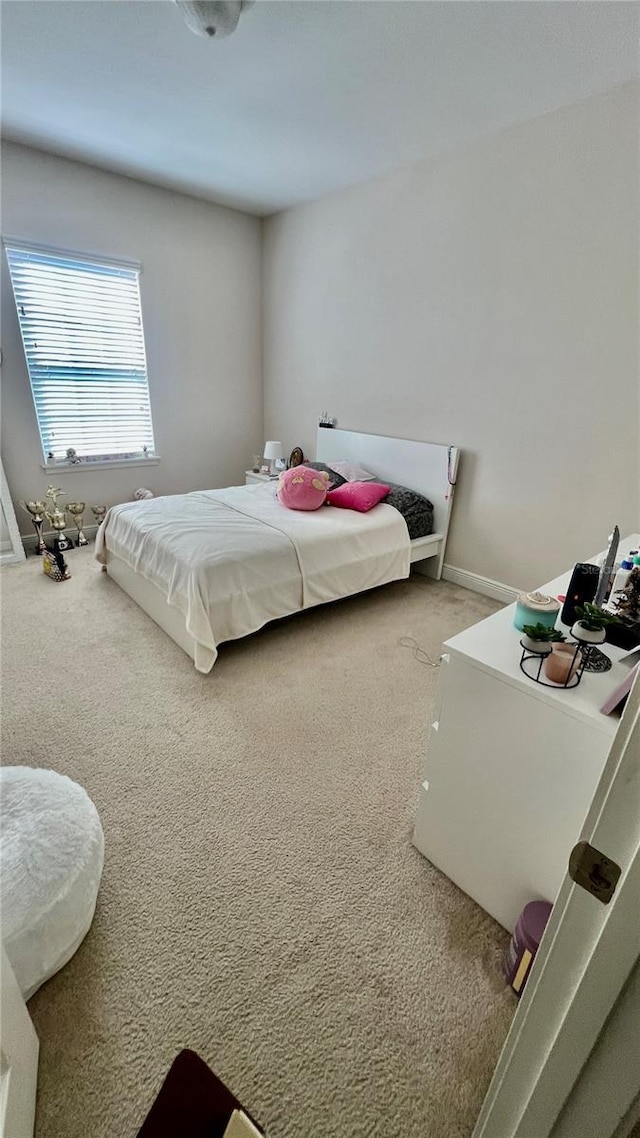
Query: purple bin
[[524, 943]]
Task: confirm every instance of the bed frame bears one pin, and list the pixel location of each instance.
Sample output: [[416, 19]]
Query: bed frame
[[429, 468]]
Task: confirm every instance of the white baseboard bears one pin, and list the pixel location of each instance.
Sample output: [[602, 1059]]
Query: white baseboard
[[478, 584], [29, 539]]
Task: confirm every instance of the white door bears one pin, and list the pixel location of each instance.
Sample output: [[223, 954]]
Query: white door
[[18, 1059], [587, 955]]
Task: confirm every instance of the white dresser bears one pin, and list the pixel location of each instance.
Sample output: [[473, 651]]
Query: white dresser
[[511, 766]]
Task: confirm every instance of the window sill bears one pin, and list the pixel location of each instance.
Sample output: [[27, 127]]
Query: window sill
[[106, 464]]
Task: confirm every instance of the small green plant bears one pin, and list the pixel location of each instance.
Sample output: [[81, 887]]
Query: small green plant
[[543, 633], [593, 618]]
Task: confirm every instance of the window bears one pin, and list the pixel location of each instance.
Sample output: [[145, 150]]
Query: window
[[83, 340]]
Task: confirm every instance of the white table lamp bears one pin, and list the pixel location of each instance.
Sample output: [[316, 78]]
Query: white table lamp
[[272, 451]]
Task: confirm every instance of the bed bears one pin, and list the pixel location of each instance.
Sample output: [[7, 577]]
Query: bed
[[216, 565]]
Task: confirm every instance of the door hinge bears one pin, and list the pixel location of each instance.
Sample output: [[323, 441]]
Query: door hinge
[[593, 871]]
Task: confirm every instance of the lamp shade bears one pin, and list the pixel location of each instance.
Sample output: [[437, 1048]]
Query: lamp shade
[[273, 449]]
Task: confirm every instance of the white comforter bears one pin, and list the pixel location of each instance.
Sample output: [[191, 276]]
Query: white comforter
[[232, 560]]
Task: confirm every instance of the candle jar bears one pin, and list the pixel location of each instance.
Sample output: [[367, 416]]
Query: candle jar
[[562, 663], [534, 608]]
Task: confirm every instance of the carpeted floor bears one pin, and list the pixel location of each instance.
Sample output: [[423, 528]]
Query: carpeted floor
[[261, 900]]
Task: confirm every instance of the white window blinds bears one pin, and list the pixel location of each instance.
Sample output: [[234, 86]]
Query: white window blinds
[[81, 327]]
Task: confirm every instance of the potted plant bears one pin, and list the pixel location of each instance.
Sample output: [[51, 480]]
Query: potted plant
[[539, 637], [592, 623]]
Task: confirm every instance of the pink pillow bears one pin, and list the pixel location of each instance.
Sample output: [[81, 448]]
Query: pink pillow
[[361, 496], [302, 488]]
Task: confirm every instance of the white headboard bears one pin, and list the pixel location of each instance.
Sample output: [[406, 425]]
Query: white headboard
[[429, 468]]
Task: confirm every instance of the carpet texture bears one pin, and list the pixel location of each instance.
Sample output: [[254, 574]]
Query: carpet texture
[[261, 901]]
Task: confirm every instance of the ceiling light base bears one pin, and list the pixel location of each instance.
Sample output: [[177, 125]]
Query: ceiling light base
[[212, 18]]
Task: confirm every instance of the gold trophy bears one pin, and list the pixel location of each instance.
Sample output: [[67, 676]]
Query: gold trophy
[[77, 509], [99, 513], [58, 520], [37, 511]]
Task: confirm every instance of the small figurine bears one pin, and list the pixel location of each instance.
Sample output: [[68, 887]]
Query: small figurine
[[72, 456], [54, 493], [326, 420]]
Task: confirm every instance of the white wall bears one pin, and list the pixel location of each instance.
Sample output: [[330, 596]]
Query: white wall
[[201, 303], [488, 299]]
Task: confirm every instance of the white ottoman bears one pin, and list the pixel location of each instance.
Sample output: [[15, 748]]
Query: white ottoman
[[51, 856]]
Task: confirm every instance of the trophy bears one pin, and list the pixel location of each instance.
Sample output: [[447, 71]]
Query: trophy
[[58, 520], [37, 511], [77, 509], [99, 513]]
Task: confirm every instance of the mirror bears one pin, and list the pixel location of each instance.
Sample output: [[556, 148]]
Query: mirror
[[11, 547]]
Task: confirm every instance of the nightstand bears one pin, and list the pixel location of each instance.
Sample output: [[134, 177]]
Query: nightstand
[[251, 476]]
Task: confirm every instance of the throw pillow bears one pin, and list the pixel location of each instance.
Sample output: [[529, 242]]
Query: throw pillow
[[361, 496], [351, 472], [416, 510], [335, 479]]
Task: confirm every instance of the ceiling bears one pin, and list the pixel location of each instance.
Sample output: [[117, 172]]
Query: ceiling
[[306, 97]]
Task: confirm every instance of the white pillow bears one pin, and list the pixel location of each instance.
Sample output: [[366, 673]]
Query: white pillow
[[352, 472]]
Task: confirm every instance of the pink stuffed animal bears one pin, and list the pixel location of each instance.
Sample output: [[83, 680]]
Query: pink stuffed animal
[[301, 488]]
